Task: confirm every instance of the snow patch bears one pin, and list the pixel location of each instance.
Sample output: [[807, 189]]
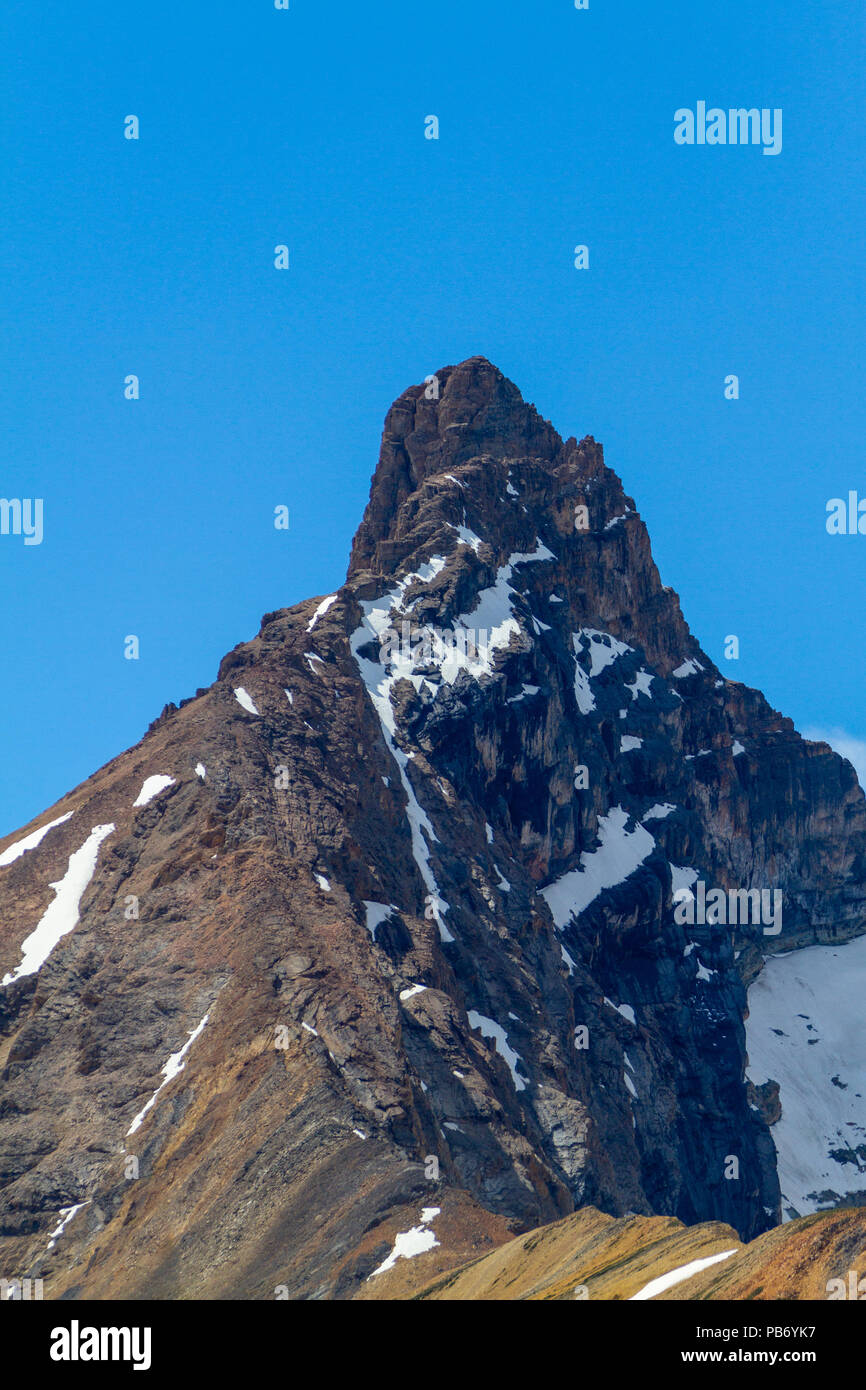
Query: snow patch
[[602, 647], [61, 916], [582, 688], [682, 878], [688, 668], [620, 852], [625, 1009], [245, 700], [467, 536], [152, 787], [527, 690], [378, 680], [413, 1242], [321, 610], [377, 913], [411, 992], [805, 1030], [30, 841], [641, 684], [677, 1276], [494, 614], [173, 1067], [66, 1214], [490, 1029]]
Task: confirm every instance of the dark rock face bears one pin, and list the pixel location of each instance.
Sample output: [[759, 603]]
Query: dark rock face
[[503, 823]]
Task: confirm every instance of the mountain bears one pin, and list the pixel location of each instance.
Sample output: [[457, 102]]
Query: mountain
[[426, 906], [591, 1256]]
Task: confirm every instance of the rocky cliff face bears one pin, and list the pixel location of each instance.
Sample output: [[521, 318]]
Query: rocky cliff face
[[387, 914]]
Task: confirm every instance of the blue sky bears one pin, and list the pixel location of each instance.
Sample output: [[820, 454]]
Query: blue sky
[[260, 387]]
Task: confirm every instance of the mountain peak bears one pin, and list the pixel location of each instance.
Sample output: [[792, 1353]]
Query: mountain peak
[[458, 413], [414, 914]]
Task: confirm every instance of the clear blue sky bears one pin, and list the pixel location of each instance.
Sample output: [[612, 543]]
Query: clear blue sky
[[260, 387]]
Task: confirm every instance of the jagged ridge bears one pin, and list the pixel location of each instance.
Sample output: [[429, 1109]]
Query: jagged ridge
[[395, 821]]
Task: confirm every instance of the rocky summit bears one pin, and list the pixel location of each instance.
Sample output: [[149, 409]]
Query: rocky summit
[[435, 919]]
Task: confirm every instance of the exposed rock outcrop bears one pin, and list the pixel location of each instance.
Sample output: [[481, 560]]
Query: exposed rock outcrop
[[402, 922]]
